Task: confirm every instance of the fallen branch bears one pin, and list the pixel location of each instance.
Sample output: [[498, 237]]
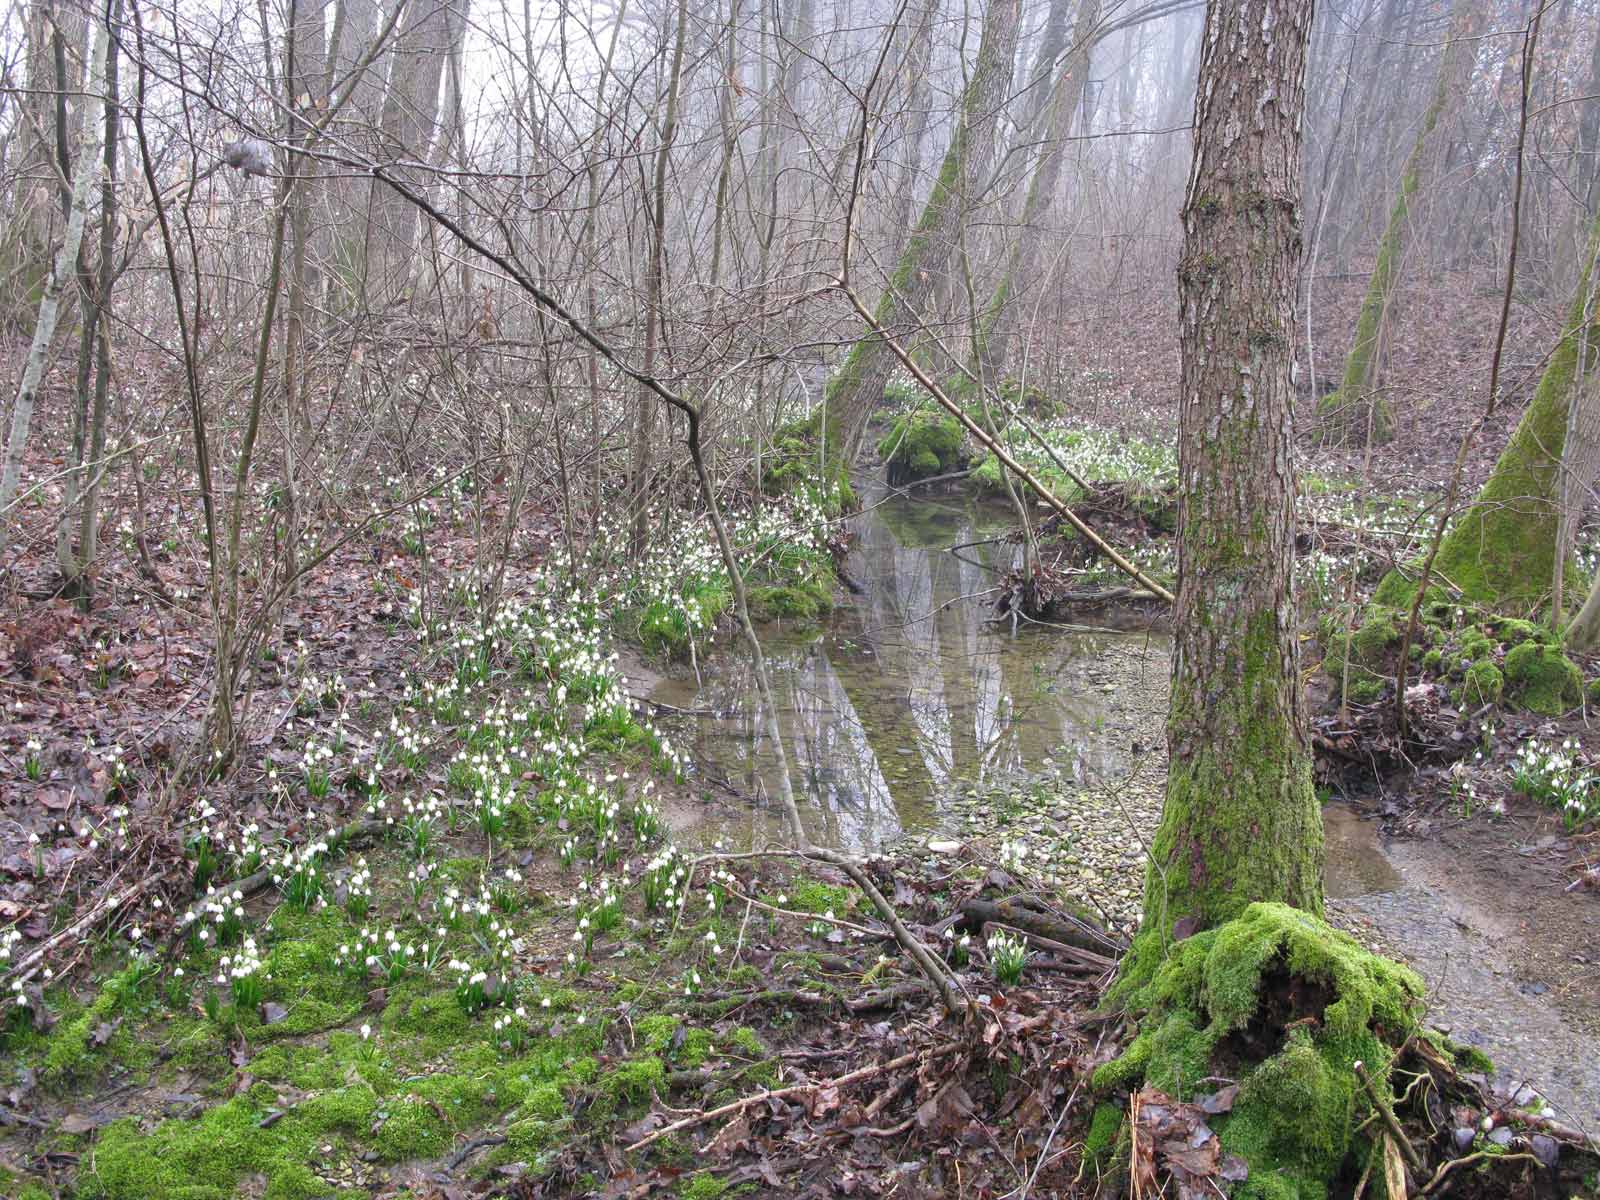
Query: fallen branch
[[799, 1089], [1475, 1156], [472, 1147], [1008, 912], [1087, 959], [28, 965]]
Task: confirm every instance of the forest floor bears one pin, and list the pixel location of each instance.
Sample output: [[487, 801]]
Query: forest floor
[[462, 959]]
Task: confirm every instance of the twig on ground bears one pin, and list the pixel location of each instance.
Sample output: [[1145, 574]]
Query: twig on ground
[[1382, 1107], [799, 1089]]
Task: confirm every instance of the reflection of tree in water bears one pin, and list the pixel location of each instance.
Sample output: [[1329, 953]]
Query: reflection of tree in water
[[908, 693]]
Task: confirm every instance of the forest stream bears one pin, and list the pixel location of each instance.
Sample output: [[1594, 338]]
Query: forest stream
[[911, 717]]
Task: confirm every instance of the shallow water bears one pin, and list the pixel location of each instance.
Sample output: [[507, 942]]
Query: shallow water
[[909, 710], [906, 693]]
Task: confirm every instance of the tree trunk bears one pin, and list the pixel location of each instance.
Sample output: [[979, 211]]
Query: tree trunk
[[63, 270], [858, 386], [1029, 250], [654, 282], [1037, 88], [1357, 411], [1241, 821], [1580, 467], [918, 84], [1501, 551], [410, 109], [77, 562]]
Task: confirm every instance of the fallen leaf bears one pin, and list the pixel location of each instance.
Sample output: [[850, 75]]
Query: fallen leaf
[[729, 1138]]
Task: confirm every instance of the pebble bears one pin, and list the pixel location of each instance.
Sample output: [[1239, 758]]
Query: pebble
[[1089, 836]]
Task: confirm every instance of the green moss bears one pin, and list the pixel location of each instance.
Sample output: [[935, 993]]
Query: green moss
[[1513, 632], [410, 1129], [656, 1031], [1103, 1129], [192, 1160], [797, 463], [803, 602], [1501, 551], [435, 1017], [1293, 1115], [702, 1185], [1362, 654], [1432, 661], [812, 896], [1292, 1119], [545, 1100], [349, 1111], [630, 1081], [71, 1047], [1482, 684], [1467, 1058], [1542, 679], [920, 445], [310, 1067]]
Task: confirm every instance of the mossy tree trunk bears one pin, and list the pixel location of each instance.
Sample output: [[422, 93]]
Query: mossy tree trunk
[[1357, 411], [858, 385], [1000, 323], [1501, 551], [1241, 821]]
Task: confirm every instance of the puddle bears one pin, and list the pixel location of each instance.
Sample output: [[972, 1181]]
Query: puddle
[[905, 695], [1355, 864]]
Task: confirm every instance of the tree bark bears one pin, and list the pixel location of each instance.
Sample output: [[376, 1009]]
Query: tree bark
[[1580, 467], [1501, 551], [77, 562], [858, 385], [1357, 410], [655, 271], [1029, 248], [63, 270], [1241, 821], [410, 110]]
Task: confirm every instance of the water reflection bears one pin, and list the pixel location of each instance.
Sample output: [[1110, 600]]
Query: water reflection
[[906, 695]]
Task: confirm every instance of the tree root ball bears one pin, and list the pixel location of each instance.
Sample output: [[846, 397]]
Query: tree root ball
[[1284, 1005]]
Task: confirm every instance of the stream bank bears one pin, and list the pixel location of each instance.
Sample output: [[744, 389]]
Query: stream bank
[[913, 720]]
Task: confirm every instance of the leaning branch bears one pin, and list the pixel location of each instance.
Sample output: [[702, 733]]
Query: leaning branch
[[1000, 452]]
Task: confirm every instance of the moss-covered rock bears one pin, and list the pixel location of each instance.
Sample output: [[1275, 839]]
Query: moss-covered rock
[[1542, 679], [1482, 684], [921, 445], [1034, 401], [798, 461], [1287, 1005], [1361, 655]]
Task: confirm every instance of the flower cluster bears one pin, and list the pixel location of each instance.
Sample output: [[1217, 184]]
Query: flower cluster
[[246, 973], [1007, 956], [1559, 777]]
